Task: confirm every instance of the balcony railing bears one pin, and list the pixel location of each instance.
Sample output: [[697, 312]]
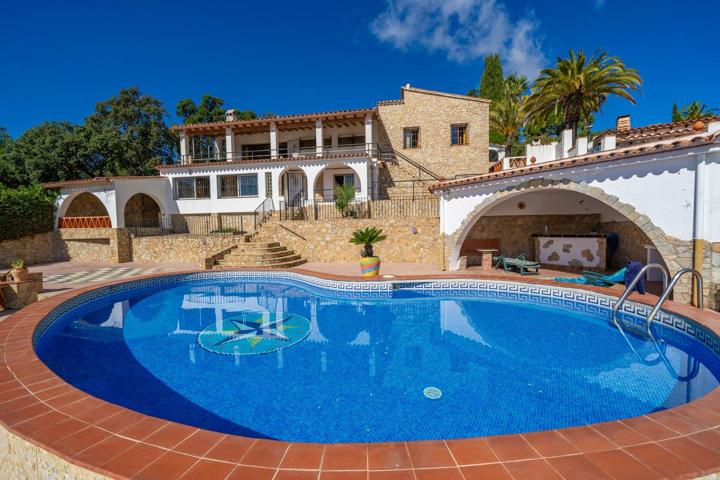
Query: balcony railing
[[265, 155]]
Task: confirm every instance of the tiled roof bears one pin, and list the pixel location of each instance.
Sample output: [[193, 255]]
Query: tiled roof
[[98, 180], [599, 157], [280, 119], [664, 130]]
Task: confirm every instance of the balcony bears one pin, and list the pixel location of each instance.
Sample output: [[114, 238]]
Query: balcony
[[508, 163], [263, 155]]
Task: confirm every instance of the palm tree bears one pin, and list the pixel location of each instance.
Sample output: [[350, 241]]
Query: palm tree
[[367, 237], [507, 115], [577, 87], [696, 109]]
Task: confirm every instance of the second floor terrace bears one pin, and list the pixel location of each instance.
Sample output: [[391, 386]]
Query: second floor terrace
[[294, 137]]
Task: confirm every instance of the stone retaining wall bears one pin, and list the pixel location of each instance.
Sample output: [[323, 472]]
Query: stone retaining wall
[[412, 240], [180, 248], [33, 249]]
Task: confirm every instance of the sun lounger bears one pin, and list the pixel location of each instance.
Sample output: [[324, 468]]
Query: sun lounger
[[597, 279], [519, 264]]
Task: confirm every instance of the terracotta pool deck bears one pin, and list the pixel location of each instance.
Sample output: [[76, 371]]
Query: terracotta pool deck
[[38, 406]]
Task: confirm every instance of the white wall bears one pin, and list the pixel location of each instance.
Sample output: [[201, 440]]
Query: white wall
[[555, 203]]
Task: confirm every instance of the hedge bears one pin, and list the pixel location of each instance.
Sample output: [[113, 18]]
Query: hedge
[[25, 211]]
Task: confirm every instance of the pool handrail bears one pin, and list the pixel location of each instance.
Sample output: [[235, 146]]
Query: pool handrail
[[629, 288]]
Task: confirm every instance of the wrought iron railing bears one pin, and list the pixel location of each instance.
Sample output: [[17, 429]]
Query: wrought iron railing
[[263, 212], [370, 149], [360, 207], [224, 224]]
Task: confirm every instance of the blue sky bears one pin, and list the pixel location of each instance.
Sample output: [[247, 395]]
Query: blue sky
[[60, 58]]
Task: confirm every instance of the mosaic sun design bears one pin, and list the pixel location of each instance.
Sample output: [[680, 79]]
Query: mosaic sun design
[[252, 333]]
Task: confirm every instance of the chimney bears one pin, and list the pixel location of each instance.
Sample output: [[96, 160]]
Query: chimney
[[608, 142], [622, 123], [231, 115]]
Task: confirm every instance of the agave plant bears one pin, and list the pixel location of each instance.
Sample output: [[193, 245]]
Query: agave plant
[[578, 86], [367, 237]]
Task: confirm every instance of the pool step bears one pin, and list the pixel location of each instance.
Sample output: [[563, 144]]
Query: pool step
[[255, 254]]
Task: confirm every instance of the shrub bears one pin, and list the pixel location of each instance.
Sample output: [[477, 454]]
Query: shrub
[[25, 211]]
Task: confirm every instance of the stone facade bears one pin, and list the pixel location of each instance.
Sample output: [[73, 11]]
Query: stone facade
[[86, 205], [411, 240], [180, 248], [33, 249], [434, 113], [141, 210]]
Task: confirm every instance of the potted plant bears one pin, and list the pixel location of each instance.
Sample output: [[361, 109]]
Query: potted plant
[[19, 271], [369, 263]]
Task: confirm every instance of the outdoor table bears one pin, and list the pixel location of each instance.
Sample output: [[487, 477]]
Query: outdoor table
[[486, 257]]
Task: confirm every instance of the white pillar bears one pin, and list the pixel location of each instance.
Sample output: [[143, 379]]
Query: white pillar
[[216, 148], [184, 148], [229, 144], [369, 133], [607, 142], [318, 137], [273, 141]]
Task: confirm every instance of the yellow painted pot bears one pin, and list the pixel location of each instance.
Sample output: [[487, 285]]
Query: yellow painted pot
[[370, 266]]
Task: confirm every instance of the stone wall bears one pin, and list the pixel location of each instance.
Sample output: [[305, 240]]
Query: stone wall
[[180, 248], [33, 249], [84, 244], [632, 242], [515, 232], [86, 205], [434, 113], [412, 240]]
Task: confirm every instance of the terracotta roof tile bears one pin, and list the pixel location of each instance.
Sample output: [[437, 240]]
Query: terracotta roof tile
[[98, 180], [599, 157]]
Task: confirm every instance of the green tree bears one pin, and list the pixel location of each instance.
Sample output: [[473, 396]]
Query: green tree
[[5, 139], [127, 135], [676, 117], [507, 115], [49, 152], [492, 88], [210, 109], [695, 110], [578, 86]]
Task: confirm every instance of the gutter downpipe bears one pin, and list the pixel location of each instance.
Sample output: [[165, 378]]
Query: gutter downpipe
[[698, 223]]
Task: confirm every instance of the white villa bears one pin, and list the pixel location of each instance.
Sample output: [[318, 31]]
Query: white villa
[[422, 168]]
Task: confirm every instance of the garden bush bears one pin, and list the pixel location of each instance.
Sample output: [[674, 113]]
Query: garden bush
[[25, 211]]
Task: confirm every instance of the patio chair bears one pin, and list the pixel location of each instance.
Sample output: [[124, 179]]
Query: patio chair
[[519, 263], [597, 279]]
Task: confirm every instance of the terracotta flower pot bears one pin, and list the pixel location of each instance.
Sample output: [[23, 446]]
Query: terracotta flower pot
[[20, 274], [370, 266]]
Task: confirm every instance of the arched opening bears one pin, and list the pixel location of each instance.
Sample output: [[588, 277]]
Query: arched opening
[[141, 210], [85, 211], [332, 177], [563, 229], [293, 186]]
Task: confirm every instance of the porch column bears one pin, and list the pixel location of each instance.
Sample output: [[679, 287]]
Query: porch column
[[318, 137], [273, 141], [368, 133], [184, 148], [216, 148], [229, 144]]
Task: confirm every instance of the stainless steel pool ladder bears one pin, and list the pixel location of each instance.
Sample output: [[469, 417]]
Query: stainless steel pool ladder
[[629, 288], [666, 292]]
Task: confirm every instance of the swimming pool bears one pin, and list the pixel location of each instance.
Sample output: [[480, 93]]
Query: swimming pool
[[290, 357]]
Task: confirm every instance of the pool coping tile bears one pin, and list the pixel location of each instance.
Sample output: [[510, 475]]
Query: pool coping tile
[[38, 406]]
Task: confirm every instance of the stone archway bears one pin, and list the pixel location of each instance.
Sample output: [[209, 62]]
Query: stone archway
[[671, 250], [141, 210], [86, 205]]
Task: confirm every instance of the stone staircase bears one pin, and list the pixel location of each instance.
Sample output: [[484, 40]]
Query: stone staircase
[[254, 253]]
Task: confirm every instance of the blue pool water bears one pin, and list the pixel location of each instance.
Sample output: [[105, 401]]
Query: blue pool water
[[284, 360]]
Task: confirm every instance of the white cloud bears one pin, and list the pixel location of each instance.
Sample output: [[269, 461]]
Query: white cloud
[[464, 30]]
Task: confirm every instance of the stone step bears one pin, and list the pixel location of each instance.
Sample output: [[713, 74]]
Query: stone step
[[288, 264], [258, 244], [253, 250], [265, 255], [258, 261]]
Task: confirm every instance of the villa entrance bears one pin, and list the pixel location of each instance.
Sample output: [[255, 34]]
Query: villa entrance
[[141, 210]]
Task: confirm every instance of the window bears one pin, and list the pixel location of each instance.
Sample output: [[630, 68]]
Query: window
[[248, 185], [192, 187], [282, 149], [239, 185], [459, 134], [351, 140], [411, 137], [268, 184], [228, 186], [256, 151], [307, 144], [347, 179]]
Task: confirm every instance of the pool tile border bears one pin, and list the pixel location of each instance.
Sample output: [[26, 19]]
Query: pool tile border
[[36, 406]]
